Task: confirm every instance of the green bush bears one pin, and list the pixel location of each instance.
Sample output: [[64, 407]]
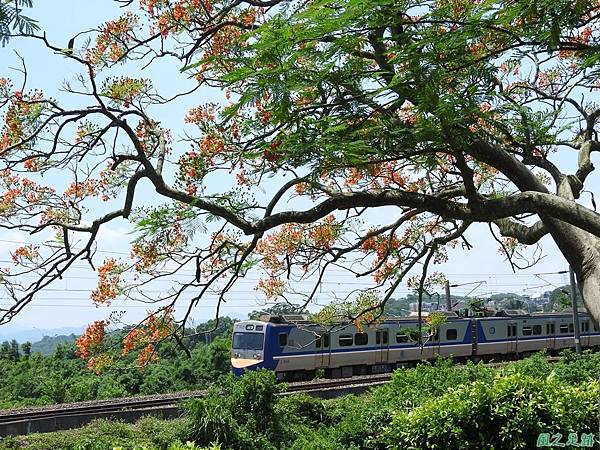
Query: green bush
[[311, 440], [148, 432], [98, 435], [509, 413], [164, 432], [237, 413], [354, 422], [410, 388], [301, 407]]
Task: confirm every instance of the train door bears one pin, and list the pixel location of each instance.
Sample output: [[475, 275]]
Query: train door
[[550, 335], [512, 337], [323, 353], [435, 341], [584, 326], [382, 341]]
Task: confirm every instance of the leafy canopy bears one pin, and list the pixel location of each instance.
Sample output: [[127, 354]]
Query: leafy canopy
[[354, 137]]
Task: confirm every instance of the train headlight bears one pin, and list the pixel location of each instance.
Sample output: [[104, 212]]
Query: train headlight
[[236, 355], [256, 356]]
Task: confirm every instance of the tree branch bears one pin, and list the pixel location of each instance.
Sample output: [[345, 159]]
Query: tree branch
[[524, 234]]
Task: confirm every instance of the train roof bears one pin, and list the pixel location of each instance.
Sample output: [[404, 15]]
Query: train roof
[[304, 319], [286, 318]]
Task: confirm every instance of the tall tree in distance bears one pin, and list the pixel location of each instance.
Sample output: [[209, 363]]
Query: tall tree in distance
[[363, 136]]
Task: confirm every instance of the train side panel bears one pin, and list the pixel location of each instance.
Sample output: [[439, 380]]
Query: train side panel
[[294, 349]]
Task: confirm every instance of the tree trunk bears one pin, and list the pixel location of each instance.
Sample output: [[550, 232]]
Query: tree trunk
[[582, 251]]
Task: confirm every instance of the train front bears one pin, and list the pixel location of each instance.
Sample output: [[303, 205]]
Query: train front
[[248, 346]]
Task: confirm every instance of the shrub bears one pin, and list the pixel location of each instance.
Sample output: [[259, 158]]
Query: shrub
[[164, 432], [238, 413], [149, 433], [311, 440], [410, 388], [303, 408], [354, 422], [98, 435], [507, 414]]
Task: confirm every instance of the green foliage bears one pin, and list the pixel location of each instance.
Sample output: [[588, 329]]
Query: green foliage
[[239, 414], [164, 433], [148, 433], [409, 388], [12, 18], [509, 413], [441, 405], [303, 408], [278, 309], [36, 379], [99, 435]]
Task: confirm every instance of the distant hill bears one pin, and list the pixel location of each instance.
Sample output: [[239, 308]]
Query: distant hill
[[25, 334], [49, 343]]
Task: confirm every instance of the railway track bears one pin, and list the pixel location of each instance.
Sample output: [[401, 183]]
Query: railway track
[[71, 415]]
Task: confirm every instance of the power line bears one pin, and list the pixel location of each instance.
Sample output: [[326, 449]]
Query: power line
[[134, 306]]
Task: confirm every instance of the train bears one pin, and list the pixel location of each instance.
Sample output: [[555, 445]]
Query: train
[[296, 348]]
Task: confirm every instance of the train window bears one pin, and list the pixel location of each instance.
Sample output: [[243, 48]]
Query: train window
[[385, 336], [378, 337], [549, 328], [248, 341], [451, 334], [326, 340], [283, 339], [259, 327], [585, 327], [318, 341], [401, 337], [571, 328], [509, 330], [564, 328], [361, 339], [345, 340], [526, 331], [537, 329]]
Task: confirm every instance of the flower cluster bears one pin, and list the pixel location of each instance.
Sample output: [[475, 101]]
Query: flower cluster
[[80, 190], [109, 282], [272, 287], [16, 189], [23, 113], [25, 253], [134, 339], [200, 115], [284, 243], [170, 17], [323, 235], [125, 89], [111, 43], [90, 342]]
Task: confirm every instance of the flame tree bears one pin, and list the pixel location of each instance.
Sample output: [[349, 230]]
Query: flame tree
[[441, 114]]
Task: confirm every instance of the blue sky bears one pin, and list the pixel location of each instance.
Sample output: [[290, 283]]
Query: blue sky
[[68, 304]]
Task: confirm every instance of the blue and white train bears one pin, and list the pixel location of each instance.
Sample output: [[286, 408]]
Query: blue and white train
[[295, 348]]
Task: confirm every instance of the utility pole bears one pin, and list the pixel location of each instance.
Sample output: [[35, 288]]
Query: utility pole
[[448, 299], [575, 310]]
